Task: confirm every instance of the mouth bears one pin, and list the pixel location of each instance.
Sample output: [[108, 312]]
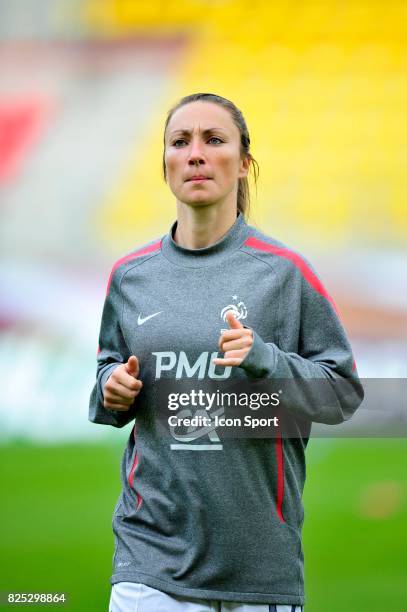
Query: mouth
[[198, 179]]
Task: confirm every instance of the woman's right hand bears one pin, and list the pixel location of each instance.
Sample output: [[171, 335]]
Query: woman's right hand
[[122, 386]]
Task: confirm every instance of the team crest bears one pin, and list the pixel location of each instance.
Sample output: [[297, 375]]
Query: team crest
[[237, 308]]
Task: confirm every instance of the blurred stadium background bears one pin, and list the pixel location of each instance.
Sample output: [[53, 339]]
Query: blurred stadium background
[[84, 89]]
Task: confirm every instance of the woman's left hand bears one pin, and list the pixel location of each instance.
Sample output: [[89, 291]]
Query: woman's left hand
[[236, 342]]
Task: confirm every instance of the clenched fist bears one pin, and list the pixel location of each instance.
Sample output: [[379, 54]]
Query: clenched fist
[[236, 342], [122, 386]]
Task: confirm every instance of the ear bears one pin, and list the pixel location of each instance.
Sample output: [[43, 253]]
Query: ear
[[244, 167]]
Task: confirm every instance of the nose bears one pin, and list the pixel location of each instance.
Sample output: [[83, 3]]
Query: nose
[[196, 156]]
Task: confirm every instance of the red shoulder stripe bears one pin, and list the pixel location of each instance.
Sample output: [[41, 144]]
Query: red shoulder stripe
[[143, 251], [305, 270]]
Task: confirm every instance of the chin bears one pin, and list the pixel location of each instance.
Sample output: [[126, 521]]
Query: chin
[[195, 204], [197, 199]]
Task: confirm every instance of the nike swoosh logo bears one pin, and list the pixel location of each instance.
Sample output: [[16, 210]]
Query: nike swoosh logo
[[142, 320]]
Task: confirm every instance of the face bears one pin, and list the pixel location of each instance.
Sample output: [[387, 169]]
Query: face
[[202, 140]]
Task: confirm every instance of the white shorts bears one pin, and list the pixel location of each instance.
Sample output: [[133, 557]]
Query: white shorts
[[137, 597]]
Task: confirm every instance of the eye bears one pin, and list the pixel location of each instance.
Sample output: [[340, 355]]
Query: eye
[[180, 141]]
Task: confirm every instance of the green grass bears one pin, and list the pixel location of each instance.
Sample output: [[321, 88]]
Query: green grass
[[57, 504], [355, 562]]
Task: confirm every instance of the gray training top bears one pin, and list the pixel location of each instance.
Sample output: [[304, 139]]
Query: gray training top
[[216, 525]]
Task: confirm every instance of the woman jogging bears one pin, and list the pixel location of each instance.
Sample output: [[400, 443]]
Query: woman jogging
[[205, 523]]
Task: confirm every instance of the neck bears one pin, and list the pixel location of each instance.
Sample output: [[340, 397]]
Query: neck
[[201, 226]]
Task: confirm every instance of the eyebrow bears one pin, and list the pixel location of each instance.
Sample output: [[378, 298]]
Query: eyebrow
[[187, 132]]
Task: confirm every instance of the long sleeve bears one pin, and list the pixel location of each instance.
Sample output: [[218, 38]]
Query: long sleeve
[[324, 353], [113, 351]]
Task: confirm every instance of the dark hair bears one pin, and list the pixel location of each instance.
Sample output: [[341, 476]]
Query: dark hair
[[243, 192]]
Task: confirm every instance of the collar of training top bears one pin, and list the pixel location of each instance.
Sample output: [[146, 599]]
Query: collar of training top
[[197, 258]]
